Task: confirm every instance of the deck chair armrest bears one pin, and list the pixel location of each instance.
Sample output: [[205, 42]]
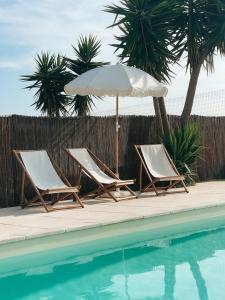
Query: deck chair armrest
[[125, 182], [170, 178], [62, 190]]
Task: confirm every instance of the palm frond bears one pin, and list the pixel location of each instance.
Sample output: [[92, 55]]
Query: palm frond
[[49, 80], [145, 35], [199, 30], [85, 52], [184, 146]]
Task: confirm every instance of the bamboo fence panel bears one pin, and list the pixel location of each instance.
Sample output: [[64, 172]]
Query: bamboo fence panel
[[97, 134], [6, 163]]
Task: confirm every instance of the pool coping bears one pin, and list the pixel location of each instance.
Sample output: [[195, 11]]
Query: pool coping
[[90, 226], [107, 214]]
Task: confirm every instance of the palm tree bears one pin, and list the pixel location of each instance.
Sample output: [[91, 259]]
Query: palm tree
[[199, 32], [145, 40], [49, 79], [87, 49]]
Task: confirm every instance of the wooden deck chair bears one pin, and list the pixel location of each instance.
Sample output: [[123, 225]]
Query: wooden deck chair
[[158, 166], [41, 172], [95, 169]]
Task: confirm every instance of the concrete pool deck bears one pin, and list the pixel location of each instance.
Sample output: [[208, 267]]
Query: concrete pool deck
[[18, 224]]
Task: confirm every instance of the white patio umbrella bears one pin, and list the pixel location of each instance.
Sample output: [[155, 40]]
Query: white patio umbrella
[[116, 81]]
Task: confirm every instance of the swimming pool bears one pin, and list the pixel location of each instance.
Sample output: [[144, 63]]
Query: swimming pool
[[138, 265]]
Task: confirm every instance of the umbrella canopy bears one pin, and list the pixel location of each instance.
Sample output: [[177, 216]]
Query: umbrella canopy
[[116, 80]]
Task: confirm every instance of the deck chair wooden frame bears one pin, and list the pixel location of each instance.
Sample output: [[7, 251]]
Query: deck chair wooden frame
[[38, 200], [151, 186], [103, 188]]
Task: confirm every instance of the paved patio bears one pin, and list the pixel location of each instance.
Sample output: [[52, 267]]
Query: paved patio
[[17, 224]]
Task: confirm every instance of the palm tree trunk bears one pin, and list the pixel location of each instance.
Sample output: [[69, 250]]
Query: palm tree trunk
[[158, 117], [199, 279], [190, 94], [164, 116]]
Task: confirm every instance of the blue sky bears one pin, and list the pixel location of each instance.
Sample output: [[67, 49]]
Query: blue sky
[[28, 27]]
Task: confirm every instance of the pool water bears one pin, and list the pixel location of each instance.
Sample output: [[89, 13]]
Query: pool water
[[176, 267]]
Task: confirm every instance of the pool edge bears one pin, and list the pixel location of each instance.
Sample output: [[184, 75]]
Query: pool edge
[[88, 232]]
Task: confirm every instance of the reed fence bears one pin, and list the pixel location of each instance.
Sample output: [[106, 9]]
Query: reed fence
[[96, 133]]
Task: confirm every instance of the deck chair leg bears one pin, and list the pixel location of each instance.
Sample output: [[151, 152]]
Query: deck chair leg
[[94, 192], [36, 198], [140, 178], [58, 199], [152, 183], [176, 182], [79, 177], [55, 199], [102, 190], [130, 190], [155, 189], [184, 186], [146, 187], [98, 192], [43, 203], [65, 196], [78, 199], [109, 193], [39, 195], [22, 196], [171, 185]]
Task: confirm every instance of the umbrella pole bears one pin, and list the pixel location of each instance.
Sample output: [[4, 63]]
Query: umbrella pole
[[117, 136]]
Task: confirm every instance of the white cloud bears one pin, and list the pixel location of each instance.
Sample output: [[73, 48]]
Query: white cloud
[[16, 63], [53, 24], [8, 64]]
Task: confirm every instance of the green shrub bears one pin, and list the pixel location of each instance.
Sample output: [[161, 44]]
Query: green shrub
[[184, 146]]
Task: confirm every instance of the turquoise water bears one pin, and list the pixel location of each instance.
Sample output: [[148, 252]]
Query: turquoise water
[[186, 268]]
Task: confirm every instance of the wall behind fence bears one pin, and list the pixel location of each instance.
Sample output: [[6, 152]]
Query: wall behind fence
[[96, 133]]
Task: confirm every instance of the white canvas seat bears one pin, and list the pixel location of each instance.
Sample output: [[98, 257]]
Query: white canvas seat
[[84, 158], [158, 166], [40, 171], [99, 172]]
